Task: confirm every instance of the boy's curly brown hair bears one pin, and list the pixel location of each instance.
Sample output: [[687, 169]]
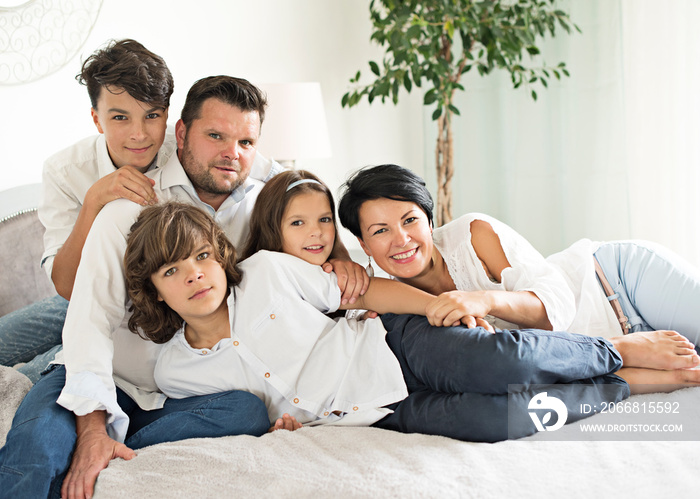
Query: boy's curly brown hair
[[161, 235]]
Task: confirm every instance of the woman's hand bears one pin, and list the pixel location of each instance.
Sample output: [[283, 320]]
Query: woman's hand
[[452, 307], [449, 307]]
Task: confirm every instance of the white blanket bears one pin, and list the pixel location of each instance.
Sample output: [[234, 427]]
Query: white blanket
[[368, 462]]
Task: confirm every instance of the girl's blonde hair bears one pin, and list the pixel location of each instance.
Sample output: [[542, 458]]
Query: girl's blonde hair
[[266, 219], [165, 234]]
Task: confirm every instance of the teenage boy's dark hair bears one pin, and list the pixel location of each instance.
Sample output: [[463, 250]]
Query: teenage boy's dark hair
[[377, 182], [235, 92], [127, 65]]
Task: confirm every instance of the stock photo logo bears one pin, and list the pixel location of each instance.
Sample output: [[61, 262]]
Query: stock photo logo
[[542, 407]]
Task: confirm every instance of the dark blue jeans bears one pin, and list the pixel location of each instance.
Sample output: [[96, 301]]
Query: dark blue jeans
[[28, 334], [458, 379], [37, 454]]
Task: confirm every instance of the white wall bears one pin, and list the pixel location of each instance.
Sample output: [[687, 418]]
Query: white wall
[[263, 41]]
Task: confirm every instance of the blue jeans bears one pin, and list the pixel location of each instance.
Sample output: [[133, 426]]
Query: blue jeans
[[458, 379], [37, 454], [657, 289], [30, 332]]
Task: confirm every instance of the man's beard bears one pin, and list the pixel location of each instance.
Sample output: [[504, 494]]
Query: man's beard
[[201, 176]]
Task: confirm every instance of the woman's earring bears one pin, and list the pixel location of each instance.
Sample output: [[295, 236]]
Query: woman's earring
[[369, 269]]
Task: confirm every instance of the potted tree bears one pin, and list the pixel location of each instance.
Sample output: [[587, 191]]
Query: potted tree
[[437, 41]]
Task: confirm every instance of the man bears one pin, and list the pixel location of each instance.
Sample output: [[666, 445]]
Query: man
[[108, 372]]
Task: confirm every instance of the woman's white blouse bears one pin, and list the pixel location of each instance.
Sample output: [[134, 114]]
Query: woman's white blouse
[[284, 349], [528, 269], [565, 282]]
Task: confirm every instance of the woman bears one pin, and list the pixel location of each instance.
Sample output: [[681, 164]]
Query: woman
[[481, 267]]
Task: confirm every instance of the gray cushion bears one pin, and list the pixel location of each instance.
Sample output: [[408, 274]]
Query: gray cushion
[[22, 280]]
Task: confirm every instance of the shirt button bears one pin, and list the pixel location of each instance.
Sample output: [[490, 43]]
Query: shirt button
[[204, 352], [326, 413], [296, 401], [272, 316], [355, 408], [235, 343], [267, 375]]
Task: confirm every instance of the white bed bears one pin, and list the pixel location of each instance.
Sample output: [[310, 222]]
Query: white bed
[[368, 462]]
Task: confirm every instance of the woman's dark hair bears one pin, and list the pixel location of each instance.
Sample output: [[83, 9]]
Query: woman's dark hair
[[377, 182], [126, 65], [266, 220], [235, 92], [165, 234]]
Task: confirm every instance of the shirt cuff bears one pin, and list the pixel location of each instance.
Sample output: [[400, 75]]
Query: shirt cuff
[[84, 393]]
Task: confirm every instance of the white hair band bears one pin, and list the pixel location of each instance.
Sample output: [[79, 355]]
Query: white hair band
[[302, 181]]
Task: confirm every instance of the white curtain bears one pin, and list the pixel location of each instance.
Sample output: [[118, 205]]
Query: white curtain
[[613, 152]]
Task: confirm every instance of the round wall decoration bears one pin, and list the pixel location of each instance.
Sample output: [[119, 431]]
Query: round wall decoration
[[38, 37]]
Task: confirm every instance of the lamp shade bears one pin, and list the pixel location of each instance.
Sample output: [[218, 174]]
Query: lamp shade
[[295, 122]]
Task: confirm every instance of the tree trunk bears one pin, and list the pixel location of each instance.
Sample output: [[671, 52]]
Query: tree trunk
[[445, 169]]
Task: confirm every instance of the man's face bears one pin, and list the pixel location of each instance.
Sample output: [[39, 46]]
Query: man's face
[[133, 130], [218, 149]]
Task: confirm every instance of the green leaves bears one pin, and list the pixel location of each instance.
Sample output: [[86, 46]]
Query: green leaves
[[437, 41]]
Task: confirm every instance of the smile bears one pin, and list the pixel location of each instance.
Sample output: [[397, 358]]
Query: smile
[[314, 249], [139, 150], [405, 255]]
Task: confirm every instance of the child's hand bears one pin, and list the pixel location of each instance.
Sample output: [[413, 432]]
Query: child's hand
[[370, 314], [126, 182], [353, 280], [286, 422]]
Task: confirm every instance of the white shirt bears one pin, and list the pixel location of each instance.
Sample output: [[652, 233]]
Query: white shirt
[[69, 174], [66, 178], [98, 349], [528, 269], [287, 352], [594, 315], [564, 282]]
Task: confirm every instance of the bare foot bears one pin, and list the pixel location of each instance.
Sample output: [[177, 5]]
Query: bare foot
[[653, 381], [656, 350]]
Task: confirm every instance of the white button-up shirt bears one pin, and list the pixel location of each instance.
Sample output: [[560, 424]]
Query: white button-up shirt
[[287, 352], [98, 348], [66, 178]]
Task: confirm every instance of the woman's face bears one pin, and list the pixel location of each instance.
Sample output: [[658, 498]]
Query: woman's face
[[397, 235]]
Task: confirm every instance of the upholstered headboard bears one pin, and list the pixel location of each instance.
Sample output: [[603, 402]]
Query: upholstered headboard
[[22, 280]]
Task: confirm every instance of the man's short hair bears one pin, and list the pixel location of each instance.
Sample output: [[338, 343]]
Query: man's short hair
[[127, 65], [235, 92]]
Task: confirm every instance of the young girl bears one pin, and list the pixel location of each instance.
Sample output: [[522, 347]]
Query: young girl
[[260, 326]]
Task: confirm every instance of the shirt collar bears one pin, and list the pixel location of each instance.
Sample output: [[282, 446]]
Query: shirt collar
[[104, 161]]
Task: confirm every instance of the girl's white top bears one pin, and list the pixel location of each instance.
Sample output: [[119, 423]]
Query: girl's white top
[[284, 349], [565, 282]]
